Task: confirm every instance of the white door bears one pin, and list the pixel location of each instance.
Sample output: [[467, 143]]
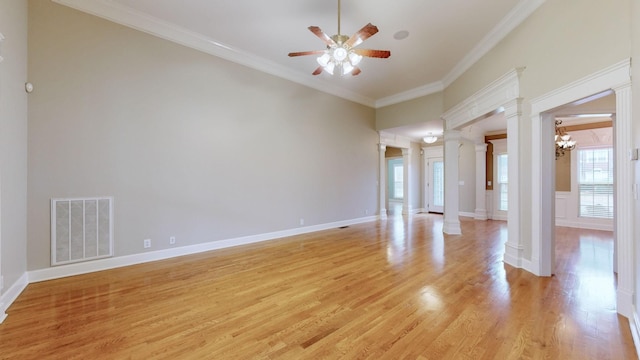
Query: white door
[[435, 185]]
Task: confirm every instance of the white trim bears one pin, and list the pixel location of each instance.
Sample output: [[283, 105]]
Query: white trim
[[116, 262], [410, 94], [394, 140], [488, 99], [583, 225], [12, 294], [501, 94], [527, 265], [497, 216], [132, 18], [617, 78], [605, 79], [129, 17], [515, 17], [467, 214], [634, 324]]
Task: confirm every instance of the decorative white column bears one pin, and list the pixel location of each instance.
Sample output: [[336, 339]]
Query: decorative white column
[[406, 179], [382, 182], [624, 206], [481, 182], [3, 315], [513, 247], [451, 178]]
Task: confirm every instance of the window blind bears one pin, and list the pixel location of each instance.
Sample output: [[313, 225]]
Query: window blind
[[595, 182]]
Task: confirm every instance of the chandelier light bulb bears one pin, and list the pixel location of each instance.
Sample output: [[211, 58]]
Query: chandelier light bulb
[[346, 68], [354, 58], [339, 54], [329, 68], [324, 59]]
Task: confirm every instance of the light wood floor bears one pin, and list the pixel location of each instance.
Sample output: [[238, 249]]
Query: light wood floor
[[394, 289]]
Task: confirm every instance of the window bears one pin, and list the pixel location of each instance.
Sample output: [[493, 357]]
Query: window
[[503, 188], [398, 173], [595, 182], [438, 183]]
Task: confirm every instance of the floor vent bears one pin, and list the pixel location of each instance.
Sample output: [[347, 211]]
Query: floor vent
[[81, 229]]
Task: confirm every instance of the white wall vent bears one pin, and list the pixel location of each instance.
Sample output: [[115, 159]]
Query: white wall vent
[[81, 229]]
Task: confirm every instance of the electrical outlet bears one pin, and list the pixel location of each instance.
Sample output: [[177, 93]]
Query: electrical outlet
[[172, 240], [147, 243], [366, 211], [301, 221]]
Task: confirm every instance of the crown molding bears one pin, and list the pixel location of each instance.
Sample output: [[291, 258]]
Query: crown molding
[[490, 98], [514, 18], [137, 20], [410, 94]]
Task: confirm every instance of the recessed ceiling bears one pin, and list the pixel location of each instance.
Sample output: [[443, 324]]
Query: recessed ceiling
[[445, 37]]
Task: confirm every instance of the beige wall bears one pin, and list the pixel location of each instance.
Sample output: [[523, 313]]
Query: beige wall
[[189, 145], [13, 141], [422, 109], [415, 190], [560, 42], [467, 175], [563, 172]]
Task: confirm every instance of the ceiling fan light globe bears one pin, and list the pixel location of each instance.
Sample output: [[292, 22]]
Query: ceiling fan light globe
[[329, 68], [340, 54], [324, 59], [354, 58], [346, 68]]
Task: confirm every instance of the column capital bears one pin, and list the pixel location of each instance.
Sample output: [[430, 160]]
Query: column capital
[[382, 147], [406, 151], [451, 135], [481, 147]]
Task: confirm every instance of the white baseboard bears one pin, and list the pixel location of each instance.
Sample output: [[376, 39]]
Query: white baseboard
[[127, 260], [584, 225], [467, 214], [12, 294], [499, 217], [634, 323]]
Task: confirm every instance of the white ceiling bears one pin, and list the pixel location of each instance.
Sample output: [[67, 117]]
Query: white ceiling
[[445, 37]]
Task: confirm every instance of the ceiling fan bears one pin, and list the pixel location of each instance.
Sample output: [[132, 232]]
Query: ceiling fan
[[340, 53]]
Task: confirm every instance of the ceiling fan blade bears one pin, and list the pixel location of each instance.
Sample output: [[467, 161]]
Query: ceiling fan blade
[[302, 53], [324, 37], [373, 53], [363, 34], [356, 70], [318, 71]]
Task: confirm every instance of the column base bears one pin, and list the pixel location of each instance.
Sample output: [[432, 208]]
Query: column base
[[513, 255], [451, 227], [480, 214]]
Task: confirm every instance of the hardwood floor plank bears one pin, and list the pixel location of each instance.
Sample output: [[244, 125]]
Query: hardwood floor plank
[[392, 289]]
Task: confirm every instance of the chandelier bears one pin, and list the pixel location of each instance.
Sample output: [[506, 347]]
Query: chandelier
[[563, 140]]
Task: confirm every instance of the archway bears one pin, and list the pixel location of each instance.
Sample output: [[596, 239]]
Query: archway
[[614, 78]]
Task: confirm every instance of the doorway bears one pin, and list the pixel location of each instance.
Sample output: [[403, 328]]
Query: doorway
[[435, 185], [615, 78], [395, 182]]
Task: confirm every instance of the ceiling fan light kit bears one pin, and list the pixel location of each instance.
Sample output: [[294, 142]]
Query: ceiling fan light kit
[[340, 53]]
